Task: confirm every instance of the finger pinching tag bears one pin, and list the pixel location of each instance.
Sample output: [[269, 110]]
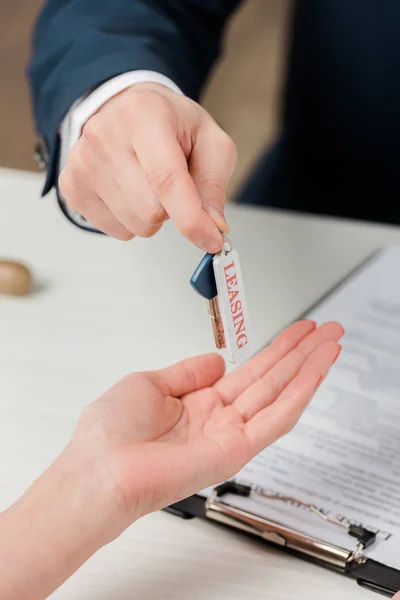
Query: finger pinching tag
[[232, 304]]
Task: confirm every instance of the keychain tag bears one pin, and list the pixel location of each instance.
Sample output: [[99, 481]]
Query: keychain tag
[[232, 304]]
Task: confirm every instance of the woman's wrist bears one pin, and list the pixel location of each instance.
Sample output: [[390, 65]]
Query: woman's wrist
[[62, 520]]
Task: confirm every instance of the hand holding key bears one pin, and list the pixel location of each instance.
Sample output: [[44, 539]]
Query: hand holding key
[[148, 155], [218, 279]]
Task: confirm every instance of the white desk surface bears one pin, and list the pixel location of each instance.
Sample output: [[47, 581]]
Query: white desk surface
[[104, 308]]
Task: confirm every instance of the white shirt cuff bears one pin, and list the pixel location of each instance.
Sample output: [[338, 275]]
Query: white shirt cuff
[[81, 111]]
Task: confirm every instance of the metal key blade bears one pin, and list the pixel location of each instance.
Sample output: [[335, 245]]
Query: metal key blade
[[216, 321], [203, 281]]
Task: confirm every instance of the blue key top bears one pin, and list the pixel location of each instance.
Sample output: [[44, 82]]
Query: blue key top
[[203, 279]]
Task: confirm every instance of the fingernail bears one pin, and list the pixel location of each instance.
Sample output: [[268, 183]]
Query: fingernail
[[212, 247], [218, 217], [337, 354]]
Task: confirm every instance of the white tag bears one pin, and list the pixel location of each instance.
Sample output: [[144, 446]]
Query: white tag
[[233, 305]]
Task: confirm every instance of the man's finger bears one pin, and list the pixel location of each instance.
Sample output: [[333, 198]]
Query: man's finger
[[212, 162], [116, 170], [99, 216], [161, 158], [278, 419], [88, 204], [189, 375], [132, 198]]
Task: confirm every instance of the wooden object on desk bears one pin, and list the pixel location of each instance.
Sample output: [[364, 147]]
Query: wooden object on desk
[[15, 278]]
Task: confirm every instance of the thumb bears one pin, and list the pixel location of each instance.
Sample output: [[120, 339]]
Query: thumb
[[189, 375], [212, 162]]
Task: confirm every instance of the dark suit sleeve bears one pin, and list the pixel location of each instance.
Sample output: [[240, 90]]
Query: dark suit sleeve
[[78, 44]]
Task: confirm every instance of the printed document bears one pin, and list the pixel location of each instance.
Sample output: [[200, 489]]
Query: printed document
[[344, 454]]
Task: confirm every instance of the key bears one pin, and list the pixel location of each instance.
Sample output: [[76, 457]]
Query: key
[[218, 278], [203, 282]]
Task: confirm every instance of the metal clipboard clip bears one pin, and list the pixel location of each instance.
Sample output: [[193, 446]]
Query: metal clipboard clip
[[218, 510]]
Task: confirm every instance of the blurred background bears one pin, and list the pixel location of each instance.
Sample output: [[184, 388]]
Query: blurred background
[[240, 96]]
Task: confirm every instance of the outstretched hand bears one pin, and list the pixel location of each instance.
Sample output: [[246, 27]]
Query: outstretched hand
[[157, 437], [151, 440]]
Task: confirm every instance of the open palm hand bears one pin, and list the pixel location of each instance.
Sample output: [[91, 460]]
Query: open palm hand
[[160, 436]]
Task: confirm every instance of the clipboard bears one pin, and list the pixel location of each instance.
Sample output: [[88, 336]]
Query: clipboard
[[368, 573]]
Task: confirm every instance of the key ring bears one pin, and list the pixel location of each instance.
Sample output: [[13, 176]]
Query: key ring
[[227, 241]]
